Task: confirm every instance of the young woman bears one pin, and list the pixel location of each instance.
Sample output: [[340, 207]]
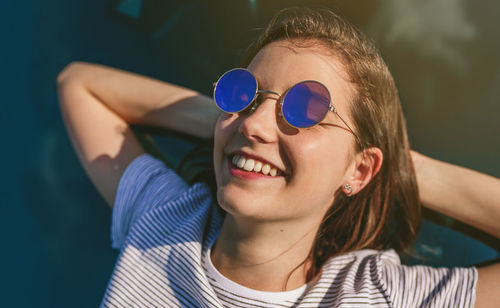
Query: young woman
[[316, 184]]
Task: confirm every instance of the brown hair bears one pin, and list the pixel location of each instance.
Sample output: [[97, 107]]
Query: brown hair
[[386, 213]]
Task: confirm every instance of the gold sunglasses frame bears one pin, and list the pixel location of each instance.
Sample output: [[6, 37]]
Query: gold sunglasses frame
[[281, 99]]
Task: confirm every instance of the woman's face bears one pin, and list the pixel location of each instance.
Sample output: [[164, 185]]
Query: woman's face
[[312, 163]]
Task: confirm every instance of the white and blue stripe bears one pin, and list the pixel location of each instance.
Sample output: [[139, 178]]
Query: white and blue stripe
[[164, 230]]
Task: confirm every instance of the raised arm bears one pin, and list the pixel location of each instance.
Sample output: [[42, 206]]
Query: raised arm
[[461, 193], [471, 197], [98, 103]]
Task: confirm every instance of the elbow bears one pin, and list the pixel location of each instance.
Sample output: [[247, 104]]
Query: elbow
[[69, 82], [70, 72]]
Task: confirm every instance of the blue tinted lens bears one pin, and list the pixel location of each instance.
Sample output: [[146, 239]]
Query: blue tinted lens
[[306, 104], [235, 90]]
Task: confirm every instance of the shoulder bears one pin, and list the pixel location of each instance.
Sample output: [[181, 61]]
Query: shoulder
[[378, 278], [353, 277], [424, 286], [377, 259], [152, 198], [147, 180]]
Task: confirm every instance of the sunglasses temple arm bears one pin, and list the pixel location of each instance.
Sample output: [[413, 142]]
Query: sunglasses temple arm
[[350, 129]]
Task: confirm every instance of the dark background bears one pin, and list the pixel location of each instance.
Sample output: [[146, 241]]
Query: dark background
[[55, 227]]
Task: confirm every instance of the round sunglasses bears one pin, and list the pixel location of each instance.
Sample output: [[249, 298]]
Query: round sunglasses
[[303, 105]]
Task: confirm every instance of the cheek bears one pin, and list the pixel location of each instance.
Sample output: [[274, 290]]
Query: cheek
[[225, 128], [220, 137], [225, 125], [322, 165]]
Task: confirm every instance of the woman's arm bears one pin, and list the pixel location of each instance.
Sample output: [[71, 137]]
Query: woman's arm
[[461, 193], [468, 196], [99, 102]]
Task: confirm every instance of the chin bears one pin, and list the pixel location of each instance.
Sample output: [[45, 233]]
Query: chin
[[240, 203]]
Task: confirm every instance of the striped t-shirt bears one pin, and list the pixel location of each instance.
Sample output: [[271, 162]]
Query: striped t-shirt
[[165, 230]]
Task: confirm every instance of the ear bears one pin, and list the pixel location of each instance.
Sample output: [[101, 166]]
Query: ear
[[366, 165]]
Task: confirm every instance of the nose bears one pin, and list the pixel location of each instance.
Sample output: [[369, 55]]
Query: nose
[[260, 125]]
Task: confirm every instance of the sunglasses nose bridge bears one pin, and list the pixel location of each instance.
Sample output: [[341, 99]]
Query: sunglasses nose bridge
[[261, 122], [256, 101], [268, 92]]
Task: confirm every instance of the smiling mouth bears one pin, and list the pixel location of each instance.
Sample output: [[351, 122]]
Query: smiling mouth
[[253, 165]]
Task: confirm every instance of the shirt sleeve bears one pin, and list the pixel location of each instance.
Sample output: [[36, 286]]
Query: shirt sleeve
[[145, 184], [425, 286]]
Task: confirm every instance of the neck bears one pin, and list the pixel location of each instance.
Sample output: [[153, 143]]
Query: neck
[[266, 256]]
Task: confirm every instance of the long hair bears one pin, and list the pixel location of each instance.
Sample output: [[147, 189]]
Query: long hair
[[386, 213]]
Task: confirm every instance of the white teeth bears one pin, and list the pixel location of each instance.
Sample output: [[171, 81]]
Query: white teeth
[[257, 167], [241, 162], [266, 168], [235, 159], [249, 164], [253, 165]]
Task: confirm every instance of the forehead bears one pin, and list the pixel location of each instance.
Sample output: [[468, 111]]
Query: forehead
[[280, 65]]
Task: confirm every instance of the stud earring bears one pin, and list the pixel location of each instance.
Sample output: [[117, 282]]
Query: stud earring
[[349, 189]]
